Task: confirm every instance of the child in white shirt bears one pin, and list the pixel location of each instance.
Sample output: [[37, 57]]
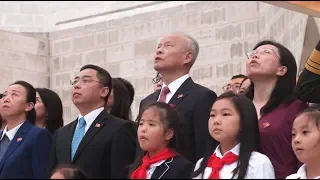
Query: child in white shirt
[[234, 124], [306, 144]]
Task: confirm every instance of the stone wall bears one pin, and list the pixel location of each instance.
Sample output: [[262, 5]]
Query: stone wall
[[24, 16], [23, 57], [226, 31]]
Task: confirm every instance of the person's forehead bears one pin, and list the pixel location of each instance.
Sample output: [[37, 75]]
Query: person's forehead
[[237, 80], [172, 37], [16, 87], [268, 46], [88, 72]]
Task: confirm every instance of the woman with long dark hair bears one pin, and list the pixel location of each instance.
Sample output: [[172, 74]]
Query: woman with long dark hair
[[118, 103], [49, 110], [233, 123], [272, 70], [24, 149]]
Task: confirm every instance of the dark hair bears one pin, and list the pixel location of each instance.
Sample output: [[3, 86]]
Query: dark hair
[[245, 92], [70, 171], [129, 87], [103, 76], [172, 120], [249, 137], [238, 76], [54, 109], [31, 98], [121, 104], [283, 91], [312, 114]]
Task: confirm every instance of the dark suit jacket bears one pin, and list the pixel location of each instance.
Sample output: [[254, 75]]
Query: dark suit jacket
[[308, 86], [104, 152], [194, 103], [28, 154], [174, 168]]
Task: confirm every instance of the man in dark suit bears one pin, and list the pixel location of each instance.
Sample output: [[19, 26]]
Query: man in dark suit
[[308, 86], [174, 58], [97, 142]]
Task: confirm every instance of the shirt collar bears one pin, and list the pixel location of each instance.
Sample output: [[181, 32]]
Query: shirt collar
[[90, 117], [157, 163], [174, 86], [302, 172], [235, 150], [11, 133]]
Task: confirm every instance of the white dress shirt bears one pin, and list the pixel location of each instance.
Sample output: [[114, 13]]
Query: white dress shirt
[[301, 174], [174, 86], [260, 166], [11, 133], [90, 117], [152, 168]]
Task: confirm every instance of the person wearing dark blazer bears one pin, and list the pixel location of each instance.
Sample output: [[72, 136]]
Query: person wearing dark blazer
[[102, 145], [174, 168], [174, 58], [308, 85], [24, 149]]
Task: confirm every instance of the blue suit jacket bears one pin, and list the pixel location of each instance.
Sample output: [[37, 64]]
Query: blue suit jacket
[[28, 154]]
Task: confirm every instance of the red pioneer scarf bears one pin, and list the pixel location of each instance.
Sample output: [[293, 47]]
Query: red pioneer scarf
[[217, 164], [141, 171]]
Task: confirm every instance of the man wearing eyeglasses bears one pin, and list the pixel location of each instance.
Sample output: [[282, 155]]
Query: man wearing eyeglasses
[[308, 86], [97, 142], [234, 84]]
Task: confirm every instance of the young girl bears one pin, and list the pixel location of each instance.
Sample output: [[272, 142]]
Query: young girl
[[233, 123], [306, 144], [160, 138]]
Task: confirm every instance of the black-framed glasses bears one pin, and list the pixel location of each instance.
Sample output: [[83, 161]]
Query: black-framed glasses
[[157, 79]]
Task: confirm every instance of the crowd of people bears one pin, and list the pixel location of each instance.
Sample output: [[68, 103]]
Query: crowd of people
[[265, 125]]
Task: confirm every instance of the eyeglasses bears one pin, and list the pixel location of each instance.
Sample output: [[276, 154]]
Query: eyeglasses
[[262, 52], [84, 80], [234, 87], [157, 79]]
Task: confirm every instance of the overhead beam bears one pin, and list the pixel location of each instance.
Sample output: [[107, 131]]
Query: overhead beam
[[311, 8]]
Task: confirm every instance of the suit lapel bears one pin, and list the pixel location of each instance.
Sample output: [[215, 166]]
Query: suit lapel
[[16, 141], [161, 170], [181, 93], [69, 137], [97, 124], [155, 96]]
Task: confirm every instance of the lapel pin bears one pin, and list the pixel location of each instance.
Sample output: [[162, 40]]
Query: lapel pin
[[265, 125], [180, 95], [19, 139], [97, 125]]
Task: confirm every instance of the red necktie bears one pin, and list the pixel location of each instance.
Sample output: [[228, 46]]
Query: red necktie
[[141, 171], [163, 94], [217, 164]]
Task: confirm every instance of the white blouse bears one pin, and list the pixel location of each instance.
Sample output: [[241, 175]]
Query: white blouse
[[260, 166], [301, 174], [153, 167]]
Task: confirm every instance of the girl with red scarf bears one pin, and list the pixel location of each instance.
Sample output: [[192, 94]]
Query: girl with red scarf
[[234, 124], [161, 137]]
